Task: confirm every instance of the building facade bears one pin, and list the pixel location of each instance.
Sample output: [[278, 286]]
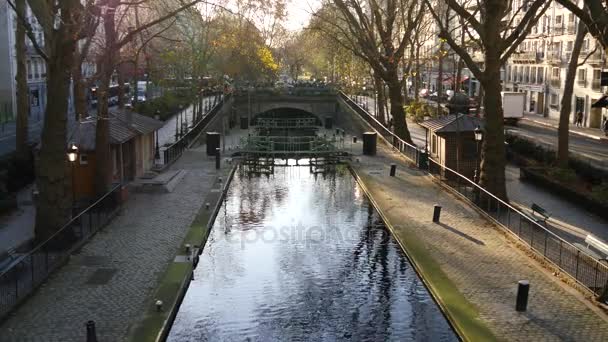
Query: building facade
[[539, 68], [36, 69]]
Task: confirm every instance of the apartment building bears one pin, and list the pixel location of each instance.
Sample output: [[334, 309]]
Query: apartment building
[[36, 68], [539, 68]]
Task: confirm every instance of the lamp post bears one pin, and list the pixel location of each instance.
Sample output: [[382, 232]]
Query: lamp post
[[72, 156], [157, 148], [478, 138]]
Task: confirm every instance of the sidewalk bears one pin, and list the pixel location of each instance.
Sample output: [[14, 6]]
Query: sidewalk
[[17, 227], [592, 133], [471, 265], [113, 275]]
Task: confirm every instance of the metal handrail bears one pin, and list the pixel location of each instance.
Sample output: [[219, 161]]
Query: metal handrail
[[389, 132], [578, 254], [62, 229]]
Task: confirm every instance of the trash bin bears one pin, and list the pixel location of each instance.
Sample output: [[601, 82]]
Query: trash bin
[[244, 122], [369, 143], [213, 142], [329, 122]]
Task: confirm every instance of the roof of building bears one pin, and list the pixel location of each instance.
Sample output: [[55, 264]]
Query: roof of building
[[83, 133], [449, 124], [140, 123]]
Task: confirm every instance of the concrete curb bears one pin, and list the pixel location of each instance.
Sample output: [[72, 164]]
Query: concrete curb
[[168, 323], [172, 285], [583, 134], [453, 321]]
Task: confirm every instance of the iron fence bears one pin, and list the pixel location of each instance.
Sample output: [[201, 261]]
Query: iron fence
[[410, 151], [589, 272], [30, 270], [171, 153]]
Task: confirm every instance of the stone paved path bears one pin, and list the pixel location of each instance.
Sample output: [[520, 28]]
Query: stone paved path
[[481, 262], [132, 252]]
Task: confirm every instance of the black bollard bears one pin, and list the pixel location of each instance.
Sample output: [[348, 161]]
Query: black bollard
[[217, 158], [436, 213], [523, 287], [91, 334], [393, 170]]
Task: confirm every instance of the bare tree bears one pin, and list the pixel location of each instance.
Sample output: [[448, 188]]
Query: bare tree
[[495, 29], [563, 132], [371, 30], [23, 105], [112, 12], [60, 26]]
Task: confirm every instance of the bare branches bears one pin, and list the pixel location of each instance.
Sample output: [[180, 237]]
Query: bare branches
[[29, 32]]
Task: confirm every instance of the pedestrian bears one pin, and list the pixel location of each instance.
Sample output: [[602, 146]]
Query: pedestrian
[[605, 126], [579, 119]]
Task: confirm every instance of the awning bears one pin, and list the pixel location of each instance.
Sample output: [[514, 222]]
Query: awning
[[601, 103]]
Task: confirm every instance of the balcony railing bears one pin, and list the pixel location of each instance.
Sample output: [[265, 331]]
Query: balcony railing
[[556, 82], [581, 82], [555, 57], [527, 56], [571, 28], [558, 29], [595, 59]]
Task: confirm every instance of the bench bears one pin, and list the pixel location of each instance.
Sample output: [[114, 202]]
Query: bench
[[595, 248], [538, 210]]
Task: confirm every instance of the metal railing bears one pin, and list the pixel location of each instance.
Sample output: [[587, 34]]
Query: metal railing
[[30, 270], [288, 144], [410, 151], [171, 153], [587, 271]]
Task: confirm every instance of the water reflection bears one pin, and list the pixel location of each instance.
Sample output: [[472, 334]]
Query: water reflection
[[294, 257]]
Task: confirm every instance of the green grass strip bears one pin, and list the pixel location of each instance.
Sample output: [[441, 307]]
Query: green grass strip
[[462, 314]]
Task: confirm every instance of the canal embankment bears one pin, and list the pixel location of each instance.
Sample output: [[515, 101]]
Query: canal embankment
[[172, 286], [470, 266]]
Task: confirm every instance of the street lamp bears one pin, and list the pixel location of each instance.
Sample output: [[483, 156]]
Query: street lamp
[[478, 138], [72, 156]]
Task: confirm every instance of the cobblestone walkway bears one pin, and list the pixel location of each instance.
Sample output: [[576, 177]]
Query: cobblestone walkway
[[481, 262], [110, 279]]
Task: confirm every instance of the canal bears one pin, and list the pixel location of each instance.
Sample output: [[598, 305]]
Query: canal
[[301, 257]]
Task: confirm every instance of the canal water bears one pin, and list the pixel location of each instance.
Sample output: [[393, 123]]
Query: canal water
[[298, 257]]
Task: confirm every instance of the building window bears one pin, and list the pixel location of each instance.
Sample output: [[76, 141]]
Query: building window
[[569, 46], [533, 75], [554, 101], [582, 77], [595, 83], [29, 69], [84, 159], [36, 71], [541, 75]]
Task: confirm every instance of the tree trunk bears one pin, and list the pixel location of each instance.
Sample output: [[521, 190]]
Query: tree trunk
[[492, 167], [23, 107], [121, 88], [397, 110], [563, 130], [417, 74], [102, 133], [379, 85], [53, 176], [80, 86]]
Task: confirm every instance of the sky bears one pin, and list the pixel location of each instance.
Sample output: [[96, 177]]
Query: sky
[[298, 13]]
